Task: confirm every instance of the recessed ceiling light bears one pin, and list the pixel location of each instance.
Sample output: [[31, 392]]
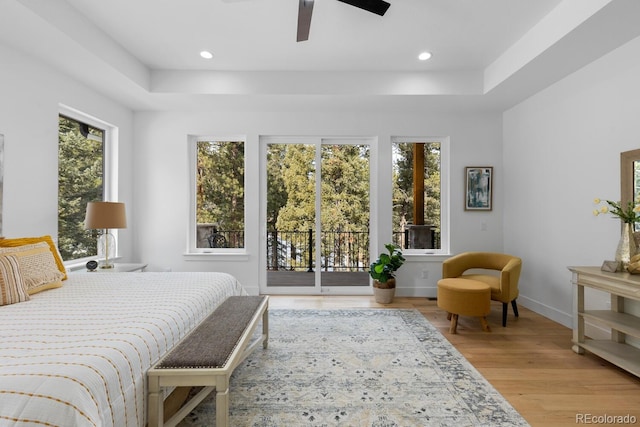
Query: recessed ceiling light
[[424, 56], [206, 54]]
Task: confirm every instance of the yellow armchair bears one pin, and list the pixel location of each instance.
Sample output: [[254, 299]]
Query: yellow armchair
[[503, 283]]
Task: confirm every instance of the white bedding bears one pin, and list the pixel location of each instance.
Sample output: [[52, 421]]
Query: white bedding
[[78, 355]]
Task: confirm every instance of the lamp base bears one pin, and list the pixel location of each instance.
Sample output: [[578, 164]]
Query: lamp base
[[106, 249]]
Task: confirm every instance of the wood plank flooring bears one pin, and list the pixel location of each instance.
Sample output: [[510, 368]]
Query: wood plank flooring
[[530, 362]]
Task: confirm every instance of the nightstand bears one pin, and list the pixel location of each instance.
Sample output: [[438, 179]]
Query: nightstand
[[123, 268]]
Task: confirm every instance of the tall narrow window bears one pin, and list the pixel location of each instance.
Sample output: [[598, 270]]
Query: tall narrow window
[[417, 189], [219, 194], [80, 180]]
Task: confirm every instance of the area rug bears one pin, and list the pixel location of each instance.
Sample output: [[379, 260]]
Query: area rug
[[363, 367]]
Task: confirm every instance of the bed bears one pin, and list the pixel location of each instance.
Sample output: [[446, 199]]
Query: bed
[[78, 355]]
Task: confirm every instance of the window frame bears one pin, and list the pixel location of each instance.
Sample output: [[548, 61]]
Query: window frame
[[445, 181], [192, 251], [109, 168]]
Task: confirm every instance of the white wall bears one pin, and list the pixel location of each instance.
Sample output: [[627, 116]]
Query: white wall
[[561, 150], [31, 93], [552, 154], [162, 179], [153, 178]]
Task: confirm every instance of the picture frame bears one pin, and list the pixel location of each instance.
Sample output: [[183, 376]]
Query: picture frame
[[478, 192]]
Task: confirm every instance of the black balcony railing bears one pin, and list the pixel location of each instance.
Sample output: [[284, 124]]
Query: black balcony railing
[[403, 239], [295, 250], [209, 236]]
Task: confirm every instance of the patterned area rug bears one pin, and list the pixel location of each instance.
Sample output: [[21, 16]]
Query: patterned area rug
[[367, 367]]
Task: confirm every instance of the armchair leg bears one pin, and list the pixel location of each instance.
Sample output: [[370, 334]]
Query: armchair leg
[[505, 307], [504, 314]]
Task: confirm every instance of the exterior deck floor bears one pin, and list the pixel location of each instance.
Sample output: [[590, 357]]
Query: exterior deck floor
[[328, 278]]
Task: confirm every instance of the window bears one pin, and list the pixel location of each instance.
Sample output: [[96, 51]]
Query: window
[[218, 195], [419, 189], [81, 166]]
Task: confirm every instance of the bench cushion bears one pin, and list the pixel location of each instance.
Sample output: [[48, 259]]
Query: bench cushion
[[227, 324]]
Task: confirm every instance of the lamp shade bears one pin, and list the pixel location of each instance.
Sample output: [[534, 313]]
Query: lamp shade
[[105, 215]]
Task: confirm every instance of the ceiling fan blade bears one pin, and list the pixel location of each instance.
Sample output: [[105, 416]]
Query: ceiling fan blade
[[379, 7], [305, 10]]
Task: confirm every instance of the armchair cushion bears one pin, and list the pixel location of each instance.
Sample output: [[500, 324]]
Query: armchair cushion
[[488, 279]]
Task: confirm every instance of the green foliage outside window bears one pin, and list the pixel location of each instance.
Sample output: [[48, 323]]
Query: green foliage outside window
[[344, 203], [298, 212], [403, 185], [344, 188], [220, 189], [80, 180], [277, 193]]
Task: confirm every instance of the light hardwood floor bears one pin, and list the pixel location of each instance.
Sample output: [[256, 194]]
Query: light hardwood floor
[[530, 362]]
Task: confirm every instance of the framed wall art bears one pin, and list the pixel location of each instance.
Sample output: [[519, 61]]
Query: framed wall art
[[478, 193]]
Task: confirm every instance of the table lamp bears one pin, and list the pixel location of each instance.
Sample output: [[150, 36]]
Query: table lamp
[[105, 215]]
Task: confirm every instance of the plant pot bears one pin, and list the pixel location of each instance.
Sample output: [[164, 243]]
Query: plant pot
[[384, 296], [384, 292]]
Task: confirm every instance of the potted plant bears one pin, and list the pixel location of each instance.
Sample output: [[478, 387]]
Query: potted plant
[[382, 272], [627, 246]]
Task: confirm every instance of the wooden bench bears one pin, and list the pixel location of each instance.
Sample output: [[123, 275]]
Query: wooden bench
[[207, 357]]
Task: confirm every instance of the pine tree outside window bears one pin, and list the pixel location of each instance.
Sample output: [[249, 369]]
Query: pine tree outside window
[[218, 195], [420, 196], [81, 179]]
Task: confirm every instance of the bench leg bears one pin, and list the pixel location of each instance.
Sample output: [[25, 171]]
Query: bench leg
[[156, 403], [222, 403], [265, 328]]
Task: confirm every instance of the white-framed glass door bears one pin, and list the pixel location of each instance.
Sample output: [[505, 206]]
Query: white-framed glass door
[[315, 215]]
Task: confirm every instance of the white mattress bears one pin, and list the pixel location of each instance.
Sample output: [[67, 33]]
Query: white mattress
[[78, 355]]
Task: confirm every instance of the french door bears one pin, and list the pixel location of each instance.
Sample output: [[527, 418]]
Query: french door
[[316, 215]]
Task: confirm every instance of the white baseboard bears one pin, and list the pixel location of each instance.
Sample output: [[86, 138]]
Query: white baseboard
[[425, 291], [554, 314]]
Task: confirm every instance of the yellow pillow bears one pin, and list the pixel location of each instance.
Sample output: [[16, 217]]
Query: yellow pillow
[[12, 243], [12, 286], [37, 266]]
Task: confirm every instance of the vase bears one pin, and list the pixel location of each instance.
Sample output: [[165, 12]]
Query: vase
[[626, 246]]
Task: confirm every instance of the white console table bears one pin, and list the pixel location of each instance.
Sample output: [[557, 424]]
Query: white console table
[[620, 286]]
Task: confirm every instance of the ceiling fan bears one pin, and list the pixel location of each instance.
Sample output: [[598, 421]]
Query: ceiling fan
[[379, 7]]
